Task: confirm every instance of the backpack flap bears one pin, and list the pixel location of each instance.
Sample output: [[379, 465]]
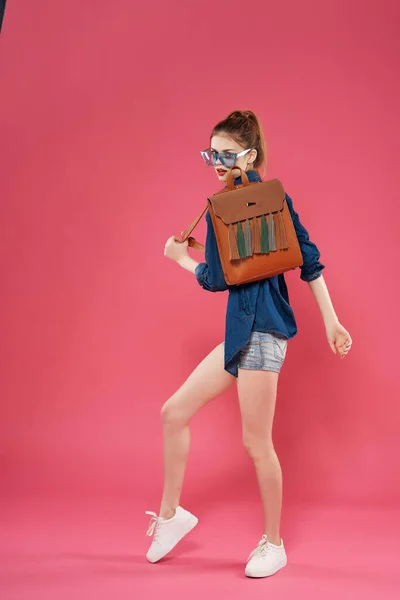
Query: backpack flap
[[247, 202], [252, 214]]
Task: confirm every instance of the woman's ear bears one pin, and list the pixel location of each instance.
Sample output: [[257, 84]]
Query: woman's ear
[[252, 157]]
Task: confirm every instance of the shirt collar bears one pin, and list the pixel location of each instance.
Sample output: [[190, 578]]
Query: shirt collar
[[252, 176]]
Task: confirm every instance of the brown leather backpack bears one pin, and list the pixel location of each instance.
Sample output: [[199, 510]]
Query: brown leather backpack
[[254, 230]]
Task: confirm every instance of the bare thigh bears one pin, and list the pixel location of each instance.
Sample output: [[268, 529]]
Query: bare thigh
[[208, 380], [257, 392]]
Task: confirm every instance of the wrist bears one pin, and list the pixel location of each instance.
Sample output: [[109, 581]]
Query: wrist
[[183, 260], [331, 321], [188, 263]]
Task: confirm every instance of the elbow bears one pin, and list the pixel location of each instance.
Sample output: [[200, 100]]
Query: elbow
[[221, 288], [208, 283], [213, 287], [218, 285]]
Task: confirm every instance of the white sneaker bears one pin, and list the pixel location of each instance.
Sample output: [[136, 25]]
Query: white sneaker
[[266, 559], [168, 532]]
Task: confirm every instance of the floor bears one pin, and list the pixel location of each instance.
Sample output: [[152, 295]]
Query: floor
[[59, 548]]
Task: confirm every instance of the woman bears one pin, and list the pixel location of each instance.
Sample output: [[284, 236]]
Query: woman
[[259, 323]]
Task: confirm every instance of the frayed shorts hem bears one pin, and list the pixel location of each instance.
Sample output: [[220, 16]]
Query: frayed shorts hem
[[263, 352], [255, 368]]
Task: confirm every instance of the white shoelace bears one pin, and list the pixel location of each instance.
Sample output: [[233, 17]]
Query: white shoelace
[[154, 521], [262, 548]]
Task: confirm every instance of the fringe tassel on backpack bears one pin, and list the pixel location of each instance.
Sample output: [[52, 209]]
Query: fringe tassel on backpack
[[233, 249], [240, 241], [256, 236], [265, 241], [283, 242], [247, 239], [272, 234]]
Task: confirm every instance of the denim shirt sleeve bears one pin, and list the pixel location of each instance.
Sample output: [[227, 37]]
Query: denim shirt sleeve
[[312, 268], [209, 274]]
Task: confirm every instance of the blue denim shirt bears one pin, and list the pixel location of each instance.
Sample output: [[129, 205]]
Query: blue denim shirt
[[260, 305]]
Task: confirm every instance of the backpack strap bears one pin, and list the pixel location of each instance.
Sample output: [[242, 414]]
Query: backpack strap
[[186, 234], [191, 240]]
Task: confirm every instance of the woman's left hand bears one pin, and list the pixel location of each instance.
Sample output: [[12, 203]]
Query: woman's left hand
[[339, 339], [176, 250]]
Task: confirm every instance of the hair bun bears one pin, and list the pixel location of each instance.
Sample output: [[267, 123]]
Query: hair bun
[[249, 115], [242, 114], [236, 114]]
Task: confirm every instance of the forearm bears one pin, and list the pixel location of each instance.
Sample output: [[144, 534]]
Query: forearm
[[188, 263], [321, 294]]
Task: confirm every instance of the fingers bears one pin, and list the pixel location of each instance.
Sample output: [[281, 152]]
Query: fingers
[[179, 241], [172, 242], [348, 344], [345, 348], [341, 344], [168, 244]]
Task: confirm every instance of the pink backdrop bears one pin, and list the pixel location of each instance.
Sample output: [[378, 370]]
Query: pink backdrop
[[104, 108]]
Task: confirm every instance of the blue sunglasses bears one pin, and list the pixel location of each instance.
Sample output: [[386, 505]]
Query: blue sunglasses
[[227, 159]]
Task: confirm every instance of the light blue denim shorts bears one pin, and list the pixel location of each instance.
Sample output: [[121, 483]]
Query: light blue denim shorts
[[263, 352]]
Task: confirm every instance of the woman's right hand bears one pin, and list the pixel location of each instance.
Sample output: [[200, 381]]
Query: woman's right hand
[[176, 250]]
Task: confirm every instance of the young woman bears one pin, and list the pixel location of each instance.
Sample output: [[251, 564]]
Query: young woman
[[259, 323]]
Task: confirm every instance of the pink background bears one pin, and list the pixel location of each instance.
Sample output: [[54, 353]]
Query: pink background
[[104, 108]]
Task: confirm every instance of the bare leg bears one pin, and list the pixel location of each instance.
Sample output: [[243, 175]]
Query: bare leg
[[207, 381], [257, 398]]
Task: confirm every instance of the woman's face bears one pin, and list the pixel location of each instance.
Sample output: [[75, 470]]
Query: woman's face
[[223, 143]]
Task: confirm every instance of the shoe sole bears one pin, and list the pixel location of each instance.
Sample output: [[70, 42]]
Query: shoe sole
[[279, 566], [191, 524]]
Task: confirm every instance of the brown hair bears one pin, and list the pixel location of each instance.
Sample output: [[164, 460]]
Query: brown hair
[[244, 127]]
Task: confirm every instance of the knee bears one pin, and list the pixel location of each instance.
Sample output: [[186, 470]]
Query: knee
[[258, 446], [171, 416]]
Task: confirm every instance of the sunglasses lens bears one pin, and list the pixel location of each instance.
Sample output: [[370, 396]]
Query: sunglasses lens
[[211, 158], [228, 161], [208, 158]]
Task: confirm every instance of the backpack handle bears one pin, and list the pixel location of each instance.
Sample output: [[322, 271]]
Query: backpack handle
[[230, 178]]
